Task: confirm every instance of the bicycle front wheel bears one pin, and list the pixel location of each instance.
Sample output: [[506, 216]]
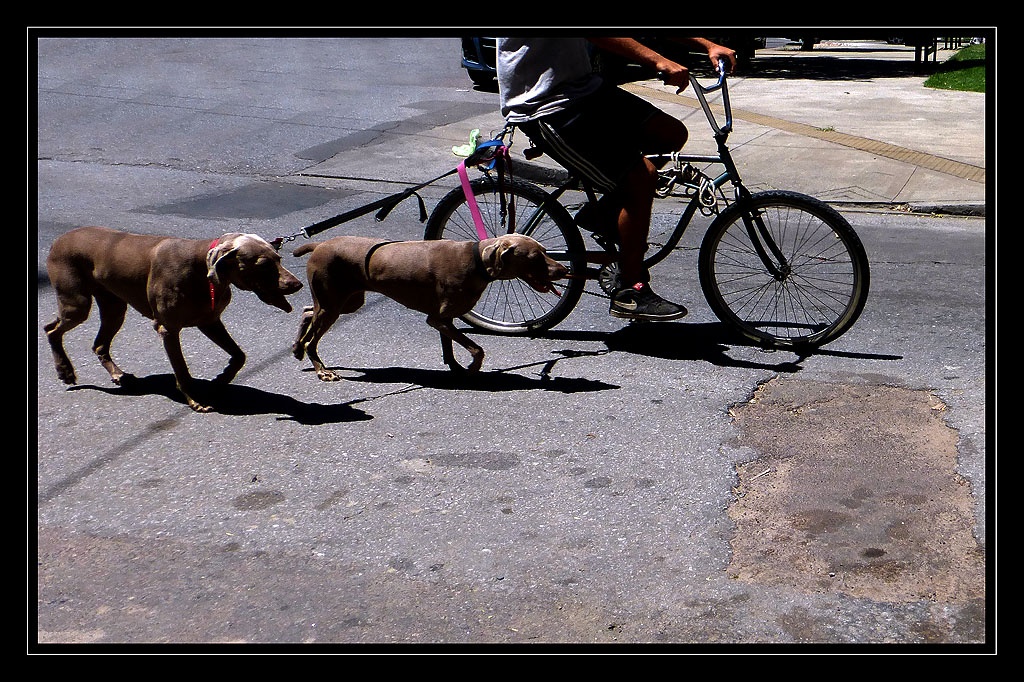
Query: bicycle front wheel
[[784, 269], [512, 306]]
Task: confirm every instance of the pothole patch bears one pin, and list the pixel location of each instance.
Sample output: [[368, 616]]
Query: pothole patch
[[854, 491]]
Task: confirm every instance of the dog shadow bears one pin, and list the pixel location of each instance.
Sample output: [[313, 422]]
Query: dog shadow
[[667, 340], [492, 381], [235, 399]]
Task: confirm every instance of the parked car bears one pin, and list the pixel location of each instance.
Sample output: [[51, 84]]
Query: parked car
[[478, 59]]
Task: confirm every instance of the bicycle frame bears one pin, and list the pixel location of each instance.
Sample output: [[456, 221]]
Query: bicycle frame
[[756, 230], [745, 279]]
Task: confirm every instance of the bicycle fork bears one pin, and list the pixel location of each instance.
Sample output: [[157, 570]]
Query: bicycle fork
[[759, 238], [757, 231]]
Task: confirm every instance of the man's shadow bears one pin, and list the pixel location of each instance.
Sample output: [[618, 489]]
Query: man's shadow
[[701, 342]]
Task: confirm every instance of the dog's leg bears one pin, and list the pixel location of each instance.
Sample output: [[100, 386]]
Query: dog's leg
[[55, 335], [73, 310], [320, 319], [299, 347], [217, 333], [319, 323], [448, 334], [172, 346], [448, 353], [112, 310]]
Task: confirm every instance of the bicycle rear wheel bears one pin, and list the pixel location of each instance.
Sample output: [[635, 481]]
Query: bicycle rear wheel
[[816, 292], [512, 306]]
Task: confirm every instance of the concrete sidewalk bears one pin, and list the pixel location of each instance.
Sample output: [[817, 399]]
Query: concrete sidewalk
[[850, 123]]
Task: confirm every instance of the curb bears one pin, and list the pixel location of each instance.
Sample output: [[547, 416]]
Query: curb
[[552, 177], [967, 209]]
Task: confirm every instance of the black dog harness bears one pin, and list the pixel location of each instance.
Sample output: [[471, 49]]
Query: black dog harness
[[478, 259]]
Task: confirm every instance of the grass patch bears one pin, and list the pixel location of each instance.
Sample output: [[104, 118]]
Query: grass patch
[[963, 71]]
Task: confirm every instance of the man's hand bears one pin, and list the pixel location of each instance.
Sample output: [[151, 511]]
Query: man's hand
[[670, 72], [717, 53], [675, 74]]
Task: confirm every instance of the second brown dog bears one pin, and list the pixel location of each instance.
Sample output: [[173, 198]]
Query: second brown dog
[[441, 278]]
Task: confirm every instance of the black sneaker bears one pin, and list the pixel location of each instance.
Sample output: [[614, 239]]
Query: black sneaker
[[638, 302]]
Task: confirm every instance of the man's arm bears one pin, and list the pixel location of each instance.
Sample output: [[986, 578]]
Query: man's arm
[[670, 72]]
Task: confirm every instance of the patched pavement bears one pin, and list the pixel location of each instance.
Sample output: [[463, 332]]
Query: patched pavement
[[855, 491]]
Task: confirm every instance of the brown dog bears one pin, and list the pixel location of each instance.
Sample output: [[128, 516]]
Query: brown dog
[[175, 282], [441, 278]]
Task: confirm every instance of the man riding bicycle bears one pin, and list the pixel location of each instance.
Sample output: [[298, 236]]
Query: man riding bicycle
[[548, 89]]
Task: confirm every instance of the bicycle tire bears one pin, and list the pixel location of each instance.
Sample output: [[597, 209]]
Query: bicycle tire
[[512, 306], [815, 302]]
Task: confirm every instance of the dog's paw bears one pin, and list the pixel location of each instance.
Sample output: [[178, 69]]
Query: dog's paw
[[197, 407], [328, 375]]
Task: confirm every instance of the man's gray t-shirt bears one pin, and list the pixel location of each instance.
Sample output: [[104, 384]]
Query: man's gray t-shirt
[[539, 76]]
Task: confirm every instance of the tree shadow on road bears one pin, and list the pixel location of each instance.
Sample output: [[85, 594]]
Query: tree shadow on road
[[827, 67]]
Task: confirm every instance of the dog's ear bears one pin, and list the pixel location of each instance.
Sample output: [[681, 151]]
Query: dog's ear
[[218, 255], [495, 255]]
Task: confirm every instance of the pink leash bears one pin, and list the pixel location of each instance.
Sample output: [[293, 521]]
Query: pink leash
[[474, 210]]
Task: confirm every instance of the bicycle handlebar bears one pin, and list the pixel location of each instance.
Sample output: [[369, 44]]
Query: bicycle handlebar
[[720, 70], [702, 91]]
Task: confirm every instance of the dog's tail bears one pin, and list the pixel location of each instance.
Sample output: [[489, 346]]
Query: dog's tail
[[305, 248]]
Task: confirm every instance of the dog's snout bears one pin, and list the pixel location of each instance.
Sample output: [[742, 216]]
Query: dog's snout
[[556, 270], [289, 283]]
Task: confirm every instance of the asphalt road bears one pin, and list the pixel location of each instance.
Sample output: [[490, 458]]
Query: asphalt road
[[600, 484]]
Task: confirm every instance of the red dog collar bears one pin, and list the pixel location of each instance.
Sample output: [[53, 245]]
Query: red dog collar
[[213, 302]]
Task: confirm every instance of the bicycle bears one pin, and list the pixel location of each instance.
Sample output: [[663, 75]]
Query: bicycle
[[782, 268]]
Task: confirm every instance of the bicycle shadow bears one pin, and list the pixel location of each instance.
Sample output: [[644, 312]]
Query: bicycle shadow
[[235, 399], [708, 342]]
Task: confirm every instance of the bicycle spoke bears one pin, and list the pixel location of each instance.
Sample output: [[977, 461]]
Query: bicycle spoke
[[818, 286], [512, 305]]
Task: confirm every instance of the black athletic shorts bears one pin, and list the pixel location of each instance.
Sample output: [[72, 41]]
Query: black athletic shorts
[[597, 137]]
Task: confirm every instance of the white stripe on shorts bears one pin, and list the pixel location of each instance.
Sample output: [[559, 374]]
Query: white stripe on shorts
[[591, 172]]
